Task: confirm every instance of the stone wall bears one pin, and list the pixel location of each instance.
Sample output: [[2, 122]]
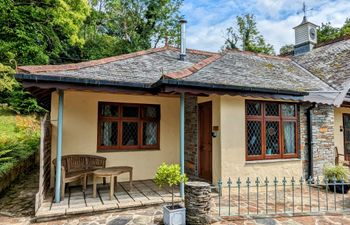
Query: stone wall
[[197, 203], [322, 137], [191, 135], [303, 152]]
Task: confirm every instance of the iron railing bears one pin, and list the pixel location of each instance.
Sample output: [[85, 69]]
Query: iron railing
[[286, 196]]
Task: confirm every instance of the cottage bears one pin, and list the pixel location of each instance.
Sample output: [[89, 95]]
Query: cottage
[[233, 114]]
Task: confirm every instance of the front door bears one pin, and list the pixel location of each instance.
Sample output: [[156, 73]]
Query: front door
[[346, 126], [205, 141]]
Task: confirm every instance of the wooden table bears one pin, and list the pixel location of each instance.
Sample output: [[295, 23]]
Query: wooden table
[[112, 173]]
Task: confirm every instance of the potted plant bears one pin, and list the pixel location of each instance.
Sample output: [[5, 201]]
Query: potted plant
[[336, 176], [171, 175]]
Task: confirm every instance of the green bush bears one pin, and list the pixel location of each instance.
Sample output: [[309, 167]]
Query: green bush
[[170, 175], [337, 172], [19, 139], [5, 167]]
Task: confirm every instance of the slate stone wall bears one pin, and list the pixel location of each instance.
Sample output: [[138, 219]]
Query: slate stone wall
[[303, 153], [197, 203], [322, 137], [191, 135]]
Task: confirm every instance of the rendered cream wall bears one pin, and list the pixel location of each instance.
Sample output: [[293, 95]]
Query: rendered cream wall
[[233, 163], [338, 121], [216, 148], [80, 131]]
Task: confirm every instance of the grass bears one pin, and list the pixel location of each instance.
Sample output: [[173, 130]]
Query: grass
[[19, 139]]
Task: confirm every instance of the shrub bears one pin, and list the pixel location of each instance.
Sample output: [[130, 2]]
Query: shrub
[[170, 175], [19, 139], [337, 172], [4, 155]]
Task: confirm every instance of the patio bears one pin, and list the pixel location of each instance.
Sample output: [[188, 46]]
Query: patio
[[143, 193]]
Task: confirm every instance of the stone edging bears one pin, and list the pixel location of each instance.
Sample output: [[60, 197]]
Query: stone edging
[[23, 166]]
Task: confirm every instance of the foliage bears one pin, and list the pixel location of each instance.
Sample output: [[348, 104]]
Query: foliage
[[286, 49], [123, 26], [36, 31], [13, 95], [245, 35], [337, 172], [19, 139], [326, 32], [4, 155], [345, 30], [169, 175]]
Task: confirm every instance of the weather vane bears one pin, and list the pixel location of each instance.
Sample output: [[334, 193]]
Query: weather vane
[[304, 9]]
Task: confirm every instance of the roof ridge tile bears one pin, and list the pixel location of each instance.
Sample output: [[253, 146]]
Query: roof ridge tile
[[196, 67], [258, 54]]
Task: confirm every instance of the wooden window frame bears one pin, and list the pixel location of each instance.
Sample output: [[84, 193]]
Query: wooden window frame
[[141, 119], [262, 118]]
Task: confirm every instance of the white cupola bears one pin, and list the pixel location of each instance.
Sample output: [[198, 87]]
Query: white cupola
[[305, 37]]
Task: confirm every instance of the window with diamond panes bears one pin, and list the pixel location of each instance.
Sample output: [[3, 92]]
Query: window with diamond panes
[[271, 130], [128, 126], [254, 137]]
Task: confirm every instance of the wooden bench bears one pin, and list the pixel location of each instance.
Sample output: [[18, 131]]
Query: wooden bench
[[78, 168]]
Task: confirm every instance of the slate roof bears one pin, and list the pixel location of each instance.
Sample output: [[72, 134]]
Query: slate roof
[[257, 70], [323, 72], [145, 67], [330, 63]]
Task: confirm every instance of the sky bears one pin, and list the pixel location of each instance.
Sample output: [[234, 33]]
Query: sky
[[208, 20]]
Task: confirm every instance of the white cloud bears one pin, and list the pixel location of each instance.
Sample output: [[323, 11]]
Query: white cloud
[[275, 19]]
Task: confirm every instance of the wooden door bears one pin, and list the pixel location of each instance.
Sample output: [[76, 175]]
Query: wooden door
[[346, 126], [205, 141]]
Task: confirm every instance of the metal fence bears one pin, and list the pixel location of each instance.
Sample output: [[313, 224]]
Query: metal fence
[[285, 196]]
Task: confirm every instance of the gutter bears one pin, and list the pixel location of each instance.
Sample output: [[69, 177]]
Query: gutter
[[199, 85], [155, 86], [310, 139], [81, 81]]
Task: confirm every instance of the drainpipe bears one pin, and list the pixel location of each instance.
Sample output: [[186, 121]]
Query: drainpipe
[[309, 139], [183, 40], [59, 147], [182, 140]]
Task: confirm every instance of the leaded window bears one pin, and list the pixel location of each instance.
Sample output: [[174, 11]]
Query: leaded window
[[271, 130], [128, 126]]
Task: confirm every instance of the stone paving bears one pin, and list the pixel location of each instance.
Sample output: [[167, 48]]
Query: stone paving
[[17, 207], [311, 199], [19, 200]]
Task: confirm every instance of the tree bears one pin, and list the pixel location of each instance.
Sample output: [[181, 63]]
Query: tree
[[170, 174], [345, 30], [327, 32], [123, 26], [39, 31], [286, 49], [13, 96], [246, 36]]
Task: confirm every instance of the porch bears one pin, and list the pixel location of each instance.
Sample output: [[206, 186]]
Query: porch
[[143, 193]]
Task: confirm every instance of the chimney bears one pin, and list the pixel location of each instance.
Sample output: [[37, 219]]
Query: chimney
[[183, 39]]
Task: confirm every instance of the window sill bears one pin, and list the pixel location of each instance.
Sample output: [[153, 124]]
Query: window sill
[[272, 161], [125, 150]]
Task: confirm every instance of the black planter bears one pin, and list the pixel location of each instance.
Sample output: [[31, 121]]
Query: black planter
[[338, 187]]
